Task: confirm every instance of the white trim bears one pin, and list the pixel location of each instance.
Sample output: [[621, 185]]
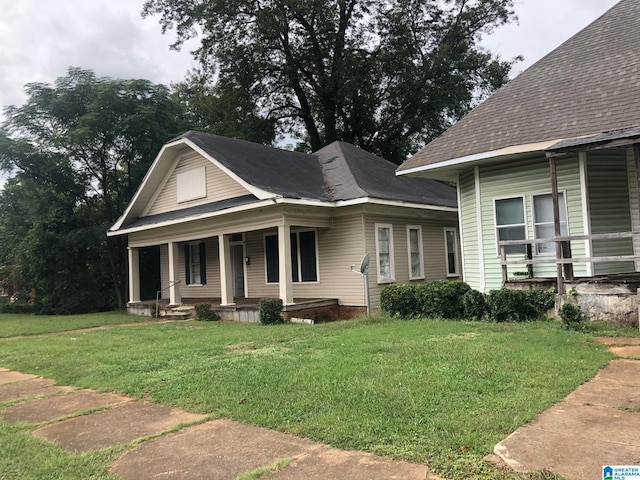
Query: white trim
[[161, 185], [524, 216], [586, 212], [479, 226], [533, 218], [459, 200], [420, 275], [455, 252], [392, 267]]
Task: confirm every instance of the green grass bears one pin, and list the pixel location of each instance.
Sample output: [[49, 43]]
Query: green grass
[[438, 392], [12, 325]]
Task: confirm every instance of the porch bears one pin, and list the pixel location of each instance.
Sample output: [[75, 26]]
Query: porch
[[302, 310]]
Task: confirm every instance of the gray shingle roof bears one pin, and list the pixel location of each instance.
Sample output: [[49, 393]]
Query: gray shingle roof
[[588, 85]]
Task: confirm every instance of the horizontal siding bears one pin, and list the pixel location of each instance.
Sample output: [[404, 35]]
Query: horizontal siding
[[634, 202], [469, 229], [433, 246], [528, 178], [212, 288], [220, 186], [609, 207]]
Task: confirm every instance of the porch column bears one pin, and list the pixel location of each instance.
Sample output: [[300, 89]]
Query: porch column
[[556, 222], [226, 276], [284, 257], [134, 274], [175, 298]]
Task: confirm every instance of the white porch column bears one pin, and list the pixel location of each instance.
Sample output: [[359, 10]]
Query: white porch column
[[175, 298], [134, 274], [226, 276], [284, 257]]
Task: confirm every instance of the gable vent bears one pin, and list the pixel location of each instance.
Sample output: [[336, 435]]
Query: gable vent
[[192, 184]]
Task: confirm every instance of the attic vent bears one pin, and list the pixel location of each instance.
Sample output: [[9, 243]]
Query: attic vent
[[192, 184]]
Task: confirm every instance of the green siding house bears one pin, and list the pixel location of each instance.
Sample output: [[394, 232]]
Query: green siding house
[[570, 124]]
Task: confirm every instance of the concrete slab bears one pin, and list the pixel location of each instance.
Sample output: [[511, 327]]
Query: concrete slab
[[216, 450], [610, 393], [627, 372], [620, 340], [7, 376], [50, 408], [115, 426], [328, 463], [630, 351], [29, 388]]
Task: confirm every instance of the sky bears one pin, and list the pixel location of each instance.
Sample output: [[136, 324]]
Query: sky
[[40, 39]]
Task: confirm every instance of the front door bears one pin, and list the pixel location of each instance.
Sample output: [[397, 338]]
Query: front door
[[237, 262]]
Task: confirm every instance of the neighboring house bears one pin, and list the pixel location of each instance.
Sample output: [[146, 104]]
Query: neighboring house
[[570, 122], [236, 220]]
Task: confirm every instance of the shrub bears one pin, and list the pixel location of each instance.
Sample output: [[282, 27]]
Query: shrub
[[475, 305], [7, 306], [442, 298], [400, 300], [271, 311], [572, 316], [205, 313], [519, 305]]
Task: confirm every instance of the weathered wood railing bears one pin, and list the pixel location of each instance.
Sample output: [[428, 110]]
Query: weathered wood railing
[[563, 259]]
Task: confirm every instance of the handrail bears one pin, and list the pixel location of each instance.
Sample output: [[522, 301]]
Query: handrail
[[171, 284]]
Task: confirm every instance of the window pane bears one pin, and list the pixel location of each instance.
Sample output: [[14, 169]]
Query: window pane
[[509, 211], [543, 208], [271, 251], [512, 233], [195, 264], [383, 240], [545, 231], [308, 256], [452, 267]]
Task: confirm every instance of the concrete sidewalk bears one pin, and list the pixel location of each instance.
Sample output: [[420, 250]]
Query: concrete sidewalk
[[596, 425]]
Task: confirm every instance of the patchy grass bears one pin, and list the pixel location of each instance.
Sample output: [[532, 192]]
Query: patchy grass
[[13, 325], [439, 392]]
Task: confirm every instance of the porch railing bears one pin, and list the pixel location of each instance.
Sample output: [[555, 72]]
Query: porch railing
[[563, 260], [171, 284]]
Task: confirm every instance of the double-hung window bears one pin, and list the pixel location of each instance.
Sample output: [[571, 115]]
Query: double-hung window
[[384, 253], [414, 246], [451, 251], [510, 223], [304, 263], [543, 221], [195, 263]]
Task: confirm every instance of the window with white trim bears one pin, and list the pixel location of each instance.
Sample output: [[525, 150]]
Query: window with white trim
[[304, 258], [414, 247], [384, 253], [510, 223], [195, 263], [451, 251], [543, 224]]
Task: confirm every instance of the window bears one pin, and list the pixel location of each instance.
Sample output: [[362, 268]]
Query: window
[[194, 260], [451, 251], [304, 266], [510, 223], [191, 184], [414, 245], [543, 224], [384, 251]]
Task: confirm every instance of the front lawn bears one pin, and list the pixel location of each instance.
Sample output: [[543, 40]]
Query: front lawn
[[13, 324], [438, 392]]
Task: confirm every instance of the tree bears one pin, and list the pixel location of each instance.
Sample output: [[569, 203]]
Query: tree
[[386, 75], [82, 146]]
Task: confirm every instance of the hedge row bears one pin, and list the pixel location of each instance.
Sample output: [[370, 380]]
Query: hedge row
[[456, 300]]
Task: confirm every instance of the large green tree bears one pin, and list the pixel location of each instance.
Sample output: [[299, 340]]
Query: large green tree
[[79, 148], [386, 75]]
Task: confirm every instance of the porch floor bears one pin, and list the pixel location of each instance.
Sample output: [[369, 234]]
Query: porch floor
[[242, 303], [550, 282]]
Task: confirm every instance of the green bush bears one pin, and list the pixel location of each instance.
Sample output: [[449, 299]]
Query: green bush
[[400, 300], [442, 298], [519, 305], [271, 311], [205, 313], [7, 306], [475, 305], [572, 316]]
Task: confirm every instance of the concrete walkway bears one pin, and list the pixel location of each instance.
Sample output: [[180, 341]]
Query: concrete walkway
[[596, 425], [179, 444]]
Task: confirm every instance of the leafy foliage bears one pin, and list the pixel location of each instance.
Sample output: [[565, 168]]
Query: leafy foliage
[[442, 298], [519, 305], [384, 75], [572, 316], [79, 148], [270, 311], [475, 305], [400, 300], [205, 313]]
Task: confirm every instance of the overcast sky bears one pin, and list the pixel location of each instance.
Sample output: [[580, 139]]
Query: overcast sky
[[40, 39]]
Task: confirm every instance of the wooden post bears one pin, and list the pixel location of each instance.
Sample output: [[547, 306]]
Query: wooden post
[[566, 253], [556, 222], [503, 258]]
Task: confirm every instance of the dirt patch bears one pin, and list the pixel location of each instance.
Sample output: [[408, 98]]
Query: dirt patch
[[29, 388], [7, 376]]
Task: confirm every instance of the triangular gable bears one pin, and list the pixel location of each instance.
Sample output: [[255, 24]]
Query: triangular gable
[[155, 190]]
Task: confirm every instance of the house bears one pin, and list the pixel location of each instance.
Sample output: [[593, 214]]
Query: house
[[236, 221], [547, 171]]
